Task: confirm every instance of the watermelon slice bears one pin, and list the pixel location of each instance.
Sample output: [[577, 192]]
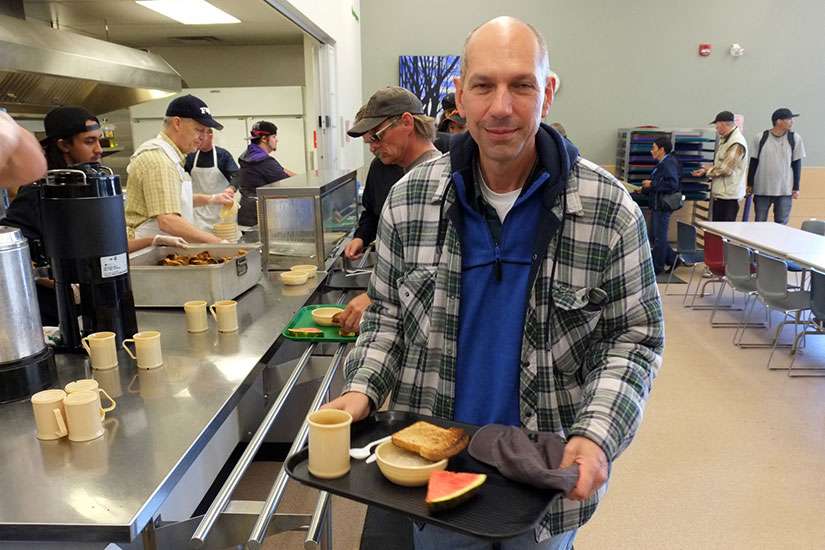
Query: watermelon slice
[[447, 489]]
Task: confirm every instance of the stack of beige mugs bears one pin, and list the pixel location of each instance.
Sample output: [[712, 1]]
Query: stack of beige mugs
[[75, 411]]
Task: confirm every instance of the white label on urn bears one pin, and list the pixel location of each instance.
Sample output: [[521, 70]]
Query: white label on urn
[[112, 266]]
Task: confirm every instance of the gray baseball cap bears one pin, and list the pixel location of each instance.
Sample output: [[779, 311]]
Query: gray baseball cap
[[520, 455], [385, 103]]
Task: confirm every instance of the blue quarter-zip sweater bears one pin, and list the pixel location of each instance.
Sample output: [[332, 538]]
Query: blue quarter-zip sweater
[[496, 280]]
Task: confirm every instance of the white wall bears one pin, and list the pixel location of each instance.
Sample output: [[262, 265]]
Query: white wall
[[336, 19], [233, 66]]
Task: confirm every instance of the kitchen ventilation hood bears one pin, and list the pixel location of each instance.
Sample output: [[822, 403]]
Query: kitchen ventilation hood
[[42, 67]]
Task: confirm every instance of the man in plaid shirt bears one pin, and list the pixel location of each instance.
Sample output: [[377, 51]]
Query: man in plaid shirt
[[513, 285]]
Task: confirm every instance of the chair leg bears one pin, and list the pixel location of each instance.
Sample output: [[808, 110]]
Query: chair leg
[[776, 341], [690, 282], [805, 371], [670, 275], [716, 302]]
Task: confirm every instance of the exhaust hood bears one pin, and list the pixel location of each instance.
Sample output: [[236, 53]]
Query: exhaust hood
[[42, 67]]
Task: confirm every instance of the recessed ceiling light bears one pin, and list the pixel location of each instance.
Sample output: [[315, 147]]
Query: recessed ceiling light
[[190, 12]]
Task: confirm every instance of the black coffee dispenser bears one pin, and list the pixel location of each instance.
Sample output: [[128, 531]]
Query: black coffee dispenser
[[84, 234]]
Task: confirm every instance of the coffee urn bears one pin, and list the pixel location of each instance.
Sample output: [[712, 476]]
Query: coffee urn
[[84, 234], [26, 363]]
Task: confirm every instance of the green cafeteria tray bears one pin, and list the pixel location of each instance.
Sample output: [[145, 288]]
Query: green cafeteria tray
[[303, 319]]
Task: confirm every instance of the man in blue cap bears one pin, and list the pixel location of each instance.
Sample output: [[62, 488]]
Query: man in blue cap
[[159, 193]]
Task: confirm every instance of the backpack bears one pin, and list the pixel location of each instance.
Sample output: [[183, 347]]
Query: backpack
[[791, 140]]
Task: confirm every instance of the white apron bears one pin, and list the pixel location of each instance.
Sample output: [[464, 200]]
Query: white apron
[[150, 227], [208, 181]]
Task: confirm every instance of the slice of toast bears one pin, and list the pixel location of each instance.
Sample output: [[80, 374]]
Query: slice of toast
[[430, 441]]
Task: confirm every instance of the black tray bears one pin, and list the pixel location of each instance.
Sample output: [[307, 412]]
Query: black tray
[[500, 509], [338, 280]]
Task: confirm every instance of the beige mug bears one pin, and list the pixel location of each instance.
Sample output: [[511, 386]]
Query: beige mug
[[49, 414], [329, 440], [83, 415], [147, 349], [225, 313], [101, 349], [92, 385], [196, 320]]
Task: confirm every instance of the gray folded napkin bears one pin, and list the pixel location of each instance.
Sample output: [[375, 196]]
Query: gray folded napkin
[[528, 457]]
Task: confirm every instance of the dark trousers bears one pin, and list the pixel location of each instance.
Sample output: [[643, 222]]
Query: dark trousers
[[725, 210], [781, 208], [663, 254]]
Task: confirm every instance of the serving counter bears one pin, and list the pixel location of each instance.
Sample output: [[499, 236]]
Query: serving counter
[[110, 489]]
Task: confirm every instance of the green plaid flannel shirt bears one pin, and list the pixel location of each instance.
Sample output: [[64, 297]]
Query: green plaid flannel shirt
[[588, 360]]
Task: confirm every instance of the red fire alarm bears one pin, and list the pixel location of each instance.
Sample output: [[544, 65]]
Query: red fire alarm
[[705, 49]]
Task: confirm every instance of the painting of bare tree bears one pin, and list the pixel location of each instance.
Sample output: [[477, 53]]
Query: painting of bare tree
[[429, 77]]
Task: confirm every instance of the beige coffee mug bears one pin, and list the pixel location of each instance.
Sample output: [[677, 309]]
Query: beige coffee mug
[[196, 320], [49, 414], [225, 313], [83, 415], [147, 349], [101, 349], [89, 384], [329, 443]]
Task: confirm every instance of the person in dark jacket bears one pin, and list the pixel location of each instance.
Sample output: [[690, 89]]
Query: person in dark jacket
[[258, 168], [663, 180]]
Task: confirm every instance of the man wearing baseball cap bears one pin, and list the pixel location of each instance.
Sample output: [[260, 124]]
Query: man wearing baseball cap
[[159, 198], [728, 173], [775, 167], [398, 132]]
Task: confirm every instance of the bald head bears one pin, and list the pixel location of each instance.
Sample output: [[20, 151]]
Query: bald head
[[502, 34]]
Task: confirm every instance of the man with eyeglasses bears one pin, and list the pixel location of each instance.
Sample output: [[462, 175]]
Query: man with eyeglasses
[[401, 137], [159, 198]]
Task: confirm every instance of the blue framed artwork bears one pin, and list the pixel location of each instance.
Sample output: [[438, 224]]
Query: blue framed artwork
[[429, 77]]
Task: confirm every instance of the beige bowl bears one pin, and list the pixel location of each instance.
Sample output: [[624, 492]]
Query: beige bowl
[[293, 278], [323, 315], [310, 270], [405, 468]]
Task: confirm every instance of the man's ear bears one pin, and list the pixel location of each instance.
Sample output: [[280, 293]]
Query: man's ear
[[61, 144], [549, 94]]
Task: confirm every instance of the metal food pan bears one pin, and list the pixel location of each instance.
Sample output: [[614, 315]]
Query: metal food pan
[[154, 285]]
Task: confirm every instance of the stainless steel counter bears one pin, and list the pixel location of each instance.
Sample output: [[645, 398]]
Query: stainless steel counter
[[110, 488]]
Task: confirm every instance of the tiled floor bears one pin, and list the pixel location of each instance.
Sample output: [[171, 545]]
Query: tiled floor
[[730, 455]]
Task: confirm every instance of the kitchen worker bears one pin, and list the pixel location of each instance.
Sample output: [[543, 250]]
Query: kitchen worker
[[513, 285], [398, 132], [212, 169], [258, 167], [159, 196]]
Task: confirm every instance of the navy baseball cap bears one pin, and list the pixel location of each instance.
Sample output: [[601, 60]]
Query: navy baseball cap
[[189, 106], [782, 113]]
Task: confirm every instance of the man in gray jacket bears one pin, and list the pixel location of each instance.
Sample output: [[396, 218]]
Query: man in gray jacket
[[776, 167]]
